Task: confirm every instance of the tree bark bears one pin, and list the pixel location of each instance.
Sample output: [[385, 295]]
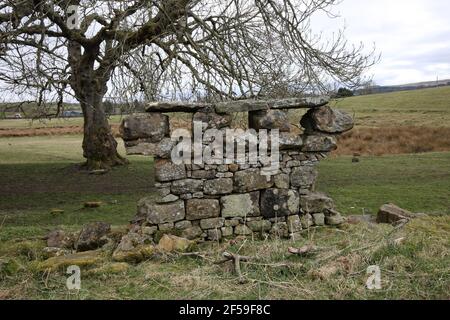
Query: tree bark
[[99, 144]]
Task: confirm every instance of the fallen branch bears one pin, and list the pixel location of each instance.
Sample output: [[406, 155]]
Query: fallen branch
[[227, 256]]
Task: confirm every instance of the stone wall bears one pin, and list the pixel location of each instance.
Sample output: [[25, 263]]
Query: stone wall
[[215, 201]]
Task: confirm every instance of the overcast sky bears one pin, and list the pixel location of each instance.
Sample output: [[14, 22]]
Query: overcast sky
[[413, 36]]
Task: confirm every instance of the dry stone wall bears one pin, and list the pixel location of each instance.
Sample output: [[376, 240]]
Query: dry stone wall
[[215, 201]]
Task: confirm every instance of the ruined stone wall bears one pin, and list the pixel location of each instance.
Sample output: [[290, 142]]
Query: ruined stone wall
[[215, 201]]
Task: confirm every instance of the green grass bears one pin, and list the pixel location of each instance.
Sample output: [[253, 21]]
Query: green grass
[[420, 183], [423, 108], [48, 123], [38, 174]]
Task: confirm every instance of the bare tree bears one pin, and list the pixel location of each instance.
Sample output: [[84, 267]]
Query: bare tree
[[179, 49]]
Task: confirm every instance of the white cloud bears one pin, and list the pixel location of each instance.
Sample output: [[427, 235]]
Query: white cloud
[[413, 36]]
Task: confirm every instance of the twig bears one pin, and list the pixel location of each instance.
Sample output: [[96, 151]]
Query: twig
[[227, 256]]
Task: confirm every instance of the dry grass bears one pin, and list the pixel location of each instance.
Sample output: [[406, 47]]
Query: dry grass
[[48, 131], [394, 140], [416, 268]]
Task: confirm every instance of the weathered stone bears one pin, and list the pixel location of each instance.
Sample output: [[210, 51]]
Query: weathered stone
[[183, 225], [214, 235], [170, 243], [161, 213], [260, 226], [149, 231], [162, 149], [167, 199], [319, 219], [224, 175], [222, 168], [307, 221], [166, 170], [80, 259], [255, 105], [233, 167], [280, 230], [212, 120], [240, 205], [293, 164], [166, 227], [294, 224], [282, 181], [92, 236], [212, 223], [218, 186], [270, 119], [211, 167], [60, 239], [315, 203], [232, 222], [328, 120], [335, 220], [303, 177], [319, 143], [153, 126], [162, 192], [163, 185], [390, 213], [176, 106], [198, 195], [300, 157], [132, 248], [279, 203], [192, 233], [227, 232], [204, 174], [186, 196], [186, 186], [241, 106], [242, 230], [251, 180], [290, 141], [198, 209]]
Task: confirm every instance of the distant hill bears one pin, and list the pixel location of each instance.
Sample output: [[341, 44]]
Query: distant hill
[[428, 107], [404, 87]]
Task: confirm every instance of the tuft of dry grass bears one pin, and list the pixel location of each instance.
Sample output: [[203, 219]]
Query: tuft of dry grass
[[394, 140]]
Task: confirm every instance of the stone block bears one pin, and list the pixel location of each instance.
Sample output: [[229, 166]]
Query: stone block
[[220, 186], [240, 205], [198, 209], [166, 170], [279, 203]]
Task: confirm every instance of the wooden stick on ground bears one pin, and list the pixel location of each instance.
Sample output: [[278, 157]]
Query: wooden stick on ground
[[227, 256]]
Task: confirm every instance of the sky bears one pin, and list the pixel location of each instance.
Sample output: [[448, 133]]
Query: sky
[[413, 36]]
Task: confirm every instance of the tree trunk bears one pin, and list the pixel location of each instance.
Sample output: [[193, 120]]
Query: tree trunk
[[99, 144], [90, 87]]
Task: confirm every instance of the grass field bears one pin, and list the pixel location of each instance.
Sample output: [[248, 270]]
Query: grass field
[[38, 175], [421, 108]]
